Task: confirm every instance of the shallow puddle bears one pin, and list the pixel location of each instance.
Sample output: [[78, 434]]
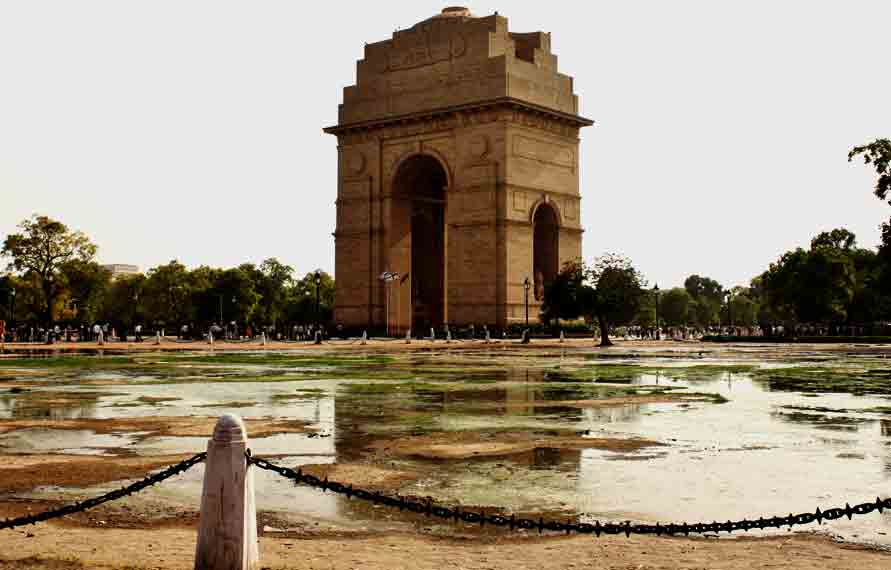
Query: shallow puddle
[[740, 436]]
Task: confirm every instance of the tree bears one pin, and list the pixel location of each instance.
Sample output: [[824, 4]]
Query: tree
[[612, 293], [839, 238], [877, 153], [811, 286], [86, 286], [271, 282], [743, 307], [41, 247], [674, 306], [124, 301], [304, 294], [561, 296], [708, 295], [168, 292]]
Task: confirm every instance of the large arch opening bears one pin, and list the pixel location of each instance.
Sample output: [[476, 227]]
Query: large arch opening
[[419, 192], [545, 248]]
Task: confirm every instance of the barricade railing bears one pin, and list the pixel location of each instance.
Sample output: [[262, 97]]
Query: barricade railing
[[228, 514]]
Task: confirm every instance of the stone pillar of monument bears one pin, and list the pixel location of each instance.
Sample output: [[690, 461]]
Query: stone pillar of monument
[[458, 169]]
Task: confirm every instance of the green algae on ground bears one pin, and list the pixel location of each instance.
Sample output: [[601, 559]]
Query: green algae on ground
[[78, 362], [846, 378], [628, 372], [278, 359]]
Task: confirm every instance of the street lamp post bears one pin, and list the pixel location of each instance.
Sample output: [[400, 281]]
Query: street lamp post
[[234, 317], [729, 296], [526, 286], [388, 277], [12, 313], [49, 301], [318, 279], [658, 331]]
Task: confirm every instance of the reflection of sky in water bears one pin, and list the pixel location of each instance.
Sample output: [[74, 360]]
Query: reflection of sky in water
[[749, 457], [742, 458]]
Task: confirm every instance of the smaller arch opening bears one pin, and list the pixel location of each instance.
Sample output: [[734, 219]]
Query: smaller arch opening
[[545, 248]]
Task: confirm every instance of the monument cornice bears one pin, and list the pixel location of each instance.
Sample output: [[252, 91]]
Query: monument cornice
[[434, 114]]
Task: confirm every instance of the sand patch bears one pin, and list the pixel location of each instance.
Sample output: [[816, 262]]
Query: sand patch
[[466, 445], [175, 426]]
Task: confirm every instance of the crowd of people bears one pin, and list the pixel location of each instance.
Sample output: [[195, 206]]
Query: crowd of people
[[106, 332]]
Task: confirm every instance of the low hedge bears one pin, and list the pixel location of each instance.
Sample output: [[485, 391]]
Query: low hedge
[[802, 339]]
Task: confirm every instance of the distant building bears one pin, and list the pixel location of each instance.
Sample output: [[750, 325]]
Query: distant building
[[120, 269]]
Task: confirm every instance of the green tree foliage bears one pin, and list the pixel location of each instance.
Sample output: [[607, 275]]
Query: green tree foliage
[[561, 296], [611, 294], [811, 286], [839, 238], [125, 301], [744, 307], [167, 294], [878, 154], [708, 296], [674, 306], [302, 299], [40, 248], [85, 285]]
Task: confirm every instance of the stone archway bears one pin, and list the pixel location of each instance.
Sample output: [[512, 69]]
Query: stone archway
[[419, 244], [545, 248]]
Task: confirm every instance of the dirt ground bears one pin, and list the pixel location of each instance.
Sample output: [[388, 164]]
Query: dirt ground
[[50, 546]]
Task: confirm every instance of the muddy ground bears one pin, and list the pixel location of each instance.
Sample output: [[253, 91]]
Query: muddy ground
[[52, 547]]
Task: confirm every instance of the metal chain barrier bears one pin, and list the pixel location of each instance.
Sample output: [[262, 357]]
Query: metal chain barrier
[[81, 506], [428, 508]]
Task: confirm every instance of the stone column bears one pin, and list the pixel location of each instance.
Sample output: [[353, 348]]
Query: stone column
[[227, 529]]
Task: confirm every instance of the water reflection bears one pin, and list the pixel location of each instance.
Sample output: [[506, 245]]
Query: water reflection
[[761, 453]]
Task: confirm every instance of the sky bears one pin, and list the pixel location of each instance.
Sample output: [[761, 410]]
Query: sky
[[192, 129]]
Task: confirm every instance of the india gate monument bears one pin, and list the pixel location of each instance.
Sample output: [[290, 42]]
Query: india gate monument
[[458, 177]]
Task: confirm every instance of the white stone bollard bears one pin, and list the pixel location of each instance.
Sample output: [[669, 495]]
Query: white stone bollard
[[562, 337], [364, 338], [408, 336], [488, 338], [227, 527], [157, 338], [448, 336], [432, 334], [210, 337], [263, 338]]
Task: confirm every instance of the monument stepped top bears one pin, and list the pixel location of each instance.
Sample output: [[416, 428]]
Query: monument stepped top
[[456, 60], [454, 12]]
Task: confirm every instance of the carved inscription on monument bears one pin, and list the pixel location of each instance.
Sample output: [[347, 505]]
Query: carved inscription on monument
[[543, 151]]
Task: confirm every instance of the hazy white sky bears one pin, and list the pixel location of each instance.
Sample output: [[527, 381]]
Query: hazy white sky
[[191, 129]]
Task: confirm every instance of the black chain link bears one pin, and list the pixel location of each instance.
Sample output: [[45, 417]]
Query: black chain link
[[81, 506], [597, 528]]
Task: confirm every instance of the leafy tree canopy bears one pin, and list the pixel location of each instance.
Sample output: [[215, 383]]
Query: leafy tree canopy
[[839, 238], [878, 154]]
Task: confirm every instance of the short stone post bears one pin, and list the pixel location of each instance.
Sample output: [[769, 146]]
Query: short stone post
[[562, 337], [263, 338], [210, 337], [408, 336], [158, 338], [432, 334], [488, 338], [227, 527], [448, 335], [364, 338]]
